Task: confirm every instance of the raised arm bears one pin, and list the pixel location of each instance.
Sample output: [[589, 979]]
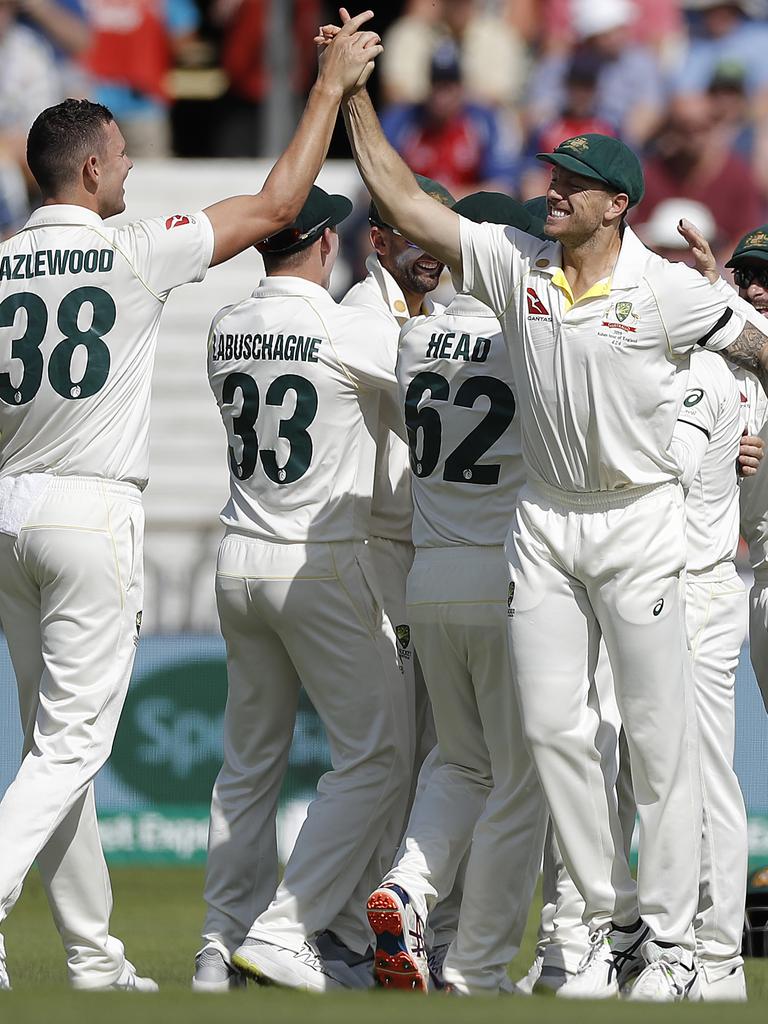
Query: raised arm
[[394, 189], [242, 221]]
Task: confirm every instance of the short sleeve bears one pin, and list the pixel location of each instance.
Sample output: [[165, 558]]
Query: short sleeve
[[491, 263], [702, 401], [694, 312], [170, 251]]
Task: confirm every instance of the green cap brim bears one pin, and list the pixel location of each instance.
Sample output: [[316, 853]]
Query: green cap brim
[[748, 254], [337, 210], [571, 163]]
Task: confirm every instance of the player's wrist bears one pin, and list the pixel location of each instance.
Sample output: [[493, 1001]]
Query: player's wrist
[[327, 89]]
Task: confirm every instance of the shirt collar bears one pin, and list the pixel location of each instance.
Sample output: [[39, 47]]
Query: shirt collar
[[628, 272], [62, 213], [467, 305], [283, 285], [392, 293]]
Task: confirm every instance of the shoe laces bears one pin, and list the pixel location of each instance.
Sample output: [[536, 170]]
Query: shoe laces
[[310, 958], [662, 969], [593, 950]]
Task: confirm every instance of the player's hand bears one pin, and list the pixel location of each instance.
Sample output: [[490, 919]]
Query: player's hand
[[345, 53], [751, 451], [705, 262]]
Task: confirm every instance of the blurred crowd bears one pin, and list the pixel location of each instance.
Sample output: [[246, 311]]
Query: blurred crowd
[[468, 91]]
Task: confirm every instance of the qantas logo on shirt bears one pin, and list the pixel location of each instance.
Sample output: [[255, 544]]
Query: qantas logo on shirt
[[178, 220], [536, 308]]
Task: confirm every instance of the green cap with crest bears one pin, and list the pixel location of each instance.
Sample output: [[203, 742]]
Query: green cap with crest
[[753, 246], [602, 158]]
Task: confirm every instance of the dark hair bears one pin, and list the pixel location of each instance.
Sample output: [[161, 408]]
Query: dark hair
[[61, 140], [285, 261]]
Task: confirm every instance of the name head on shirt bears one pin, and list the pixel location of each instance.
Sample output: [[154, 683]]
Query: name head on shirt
[[443, 345], [292, 347], [49, 262]]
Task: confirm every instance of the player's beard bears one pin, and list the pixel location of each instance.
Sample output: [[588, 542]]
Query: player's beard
[[413, 278]]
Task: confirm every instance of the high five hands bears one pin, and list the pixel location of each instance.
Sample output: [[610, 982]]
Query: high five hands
[[355, 50]]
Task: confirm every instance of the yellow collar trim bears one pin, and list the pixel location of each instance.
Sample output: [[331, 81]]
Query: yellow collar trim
[[599, 288]]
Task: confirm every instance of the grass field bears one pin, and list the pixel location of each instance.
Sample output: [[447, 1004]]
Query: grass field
[[158, 915]]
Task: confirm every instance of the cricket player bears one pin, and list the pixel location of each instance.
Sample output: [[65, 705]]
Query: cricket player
[[301, 382], [596, 326], [750, 274], [80, 304], [399, 279], [460, 406], [706, 444]]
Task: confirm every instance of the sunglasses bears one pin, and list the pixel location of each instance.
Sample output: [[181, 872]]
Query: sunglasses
[[745, 276]]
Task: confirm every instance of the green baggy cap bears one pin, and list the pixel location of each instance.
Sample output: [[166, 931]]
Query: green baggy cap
[[498, 208], [429, 185], [319, 212], [753, 246], [603, 158]]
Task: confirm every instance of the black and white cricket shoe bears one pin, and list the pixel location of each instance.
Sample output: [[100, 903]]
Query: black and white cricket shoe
[[400, 958], [613, 957]]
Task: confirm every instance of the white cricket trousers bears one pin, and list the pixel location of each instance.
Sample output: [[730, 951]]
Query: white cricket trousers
[[716, 616], [758, 630], [392, 560], [563, 937], [482, 790], [611, 564], [71, 588], [297, 615]]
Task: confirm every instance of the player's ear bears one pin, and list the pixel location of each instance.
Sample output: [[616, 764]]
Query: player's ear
[[378, 240], [618, 206], [91, 174]]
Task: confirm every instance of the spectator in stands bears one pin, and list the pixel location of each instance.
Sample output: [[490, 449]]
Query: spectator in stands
[[492, 53], [465, 145], [660, 232], [28, 83], [629, 86], [658, 24], [135, 44], [690, 158], [726, 35], [578, 117], [245, 59], [63, 23]]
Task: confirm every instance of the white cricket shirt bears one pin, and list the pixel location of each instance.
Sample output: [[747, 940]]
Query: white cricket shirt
[[460, 403], [596, 378], [300, 380], [391, 509], [80, 306], [754, 489], [711, 408]]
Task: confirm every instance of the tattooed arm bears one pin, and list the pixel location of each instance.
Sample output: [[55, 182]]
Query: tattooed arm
[[750, 351]]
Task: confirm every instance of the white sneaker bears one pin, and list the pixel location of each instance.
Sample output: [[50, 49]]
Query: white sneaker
[[670, 976], [214, 972], [5, 981], [129, 981], [551, 979], [612, 958], [267, 961], [353, 970], [730, 989], [400, 958], [524, 986]]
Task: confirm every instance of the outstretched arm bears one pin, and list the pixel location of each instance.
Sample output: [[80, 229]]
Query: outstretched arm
[[394, 189], [242, 221]]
